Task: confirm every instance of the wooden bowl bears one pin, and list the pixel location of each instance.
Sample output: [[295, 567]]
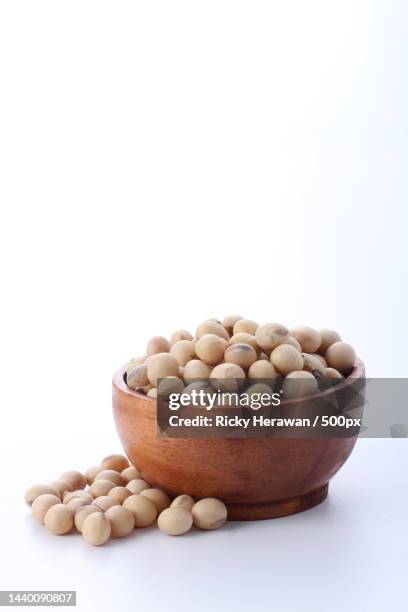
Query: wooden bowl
[[257, 478]]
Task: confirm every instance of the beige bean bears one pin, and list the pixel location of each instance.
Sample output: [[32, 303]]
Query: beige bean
[[119, 494], [209, 513], [42, 504], [243, 355], [308, 338], [196, 369], [245, 326], [328, 337], [210, 348], [59, 519], [160, 499], [259, 395], [313, 365], [262, 369], [111, 475], [104, 502], [321, 359], [75, 478], [96, 529], [92, 472], [169, 385], [160, 366], [181, 334], [293, 342], [175, 521], [81, 514], [121, 520], [76, 503], [244, 338], [183, 351], [183, 501], [299, 384], [80, 494], [137, 377], [142, 508], [134, 362], [115, 462], [341, 356], [137, 485], [332, 373], [157, 344], [61, 486], [212, 328], [227, 377], [270, 335], [130, 473], [101, 487], [230, 321], [41, 489], [286, 358]]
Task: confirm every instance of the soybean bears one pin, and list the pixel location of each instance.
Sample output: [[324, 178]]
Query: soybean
[[308, 338], [211, 327], [181, 334], [75, 478], [158, 344], [183, 351], [262, 369], [210, 348], [227, 377], [340, 356], [41, 489], [175, 521], [209, 513], [245, 326], [59, 519], [298, 384], [196, 369], [130, 473], [119, 494], [160, 499], [137, 485], [144, 511], [137, 377], [285, 359], [121, 520], [160, 366], [111, 475], [328, 337], [96, 529], [183, 501], [82, 513], [243, 355], [270, 335], [104, 502], [42, 504], [101, 487]]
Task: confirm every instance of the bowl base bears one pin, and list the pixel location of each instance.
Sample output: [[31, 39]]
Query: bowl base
[[276, 509]]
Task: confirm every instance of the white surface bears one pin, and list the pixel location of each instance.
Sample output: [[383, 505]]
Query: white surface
[[165, 162], [349, 553]]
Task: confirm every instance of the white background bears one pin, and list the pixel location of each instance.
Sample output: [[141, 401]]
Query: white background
[[164, 162]]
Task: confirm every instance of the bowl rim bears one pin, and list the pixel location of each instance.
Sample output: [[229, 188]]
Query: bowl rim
[[357, 373]]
